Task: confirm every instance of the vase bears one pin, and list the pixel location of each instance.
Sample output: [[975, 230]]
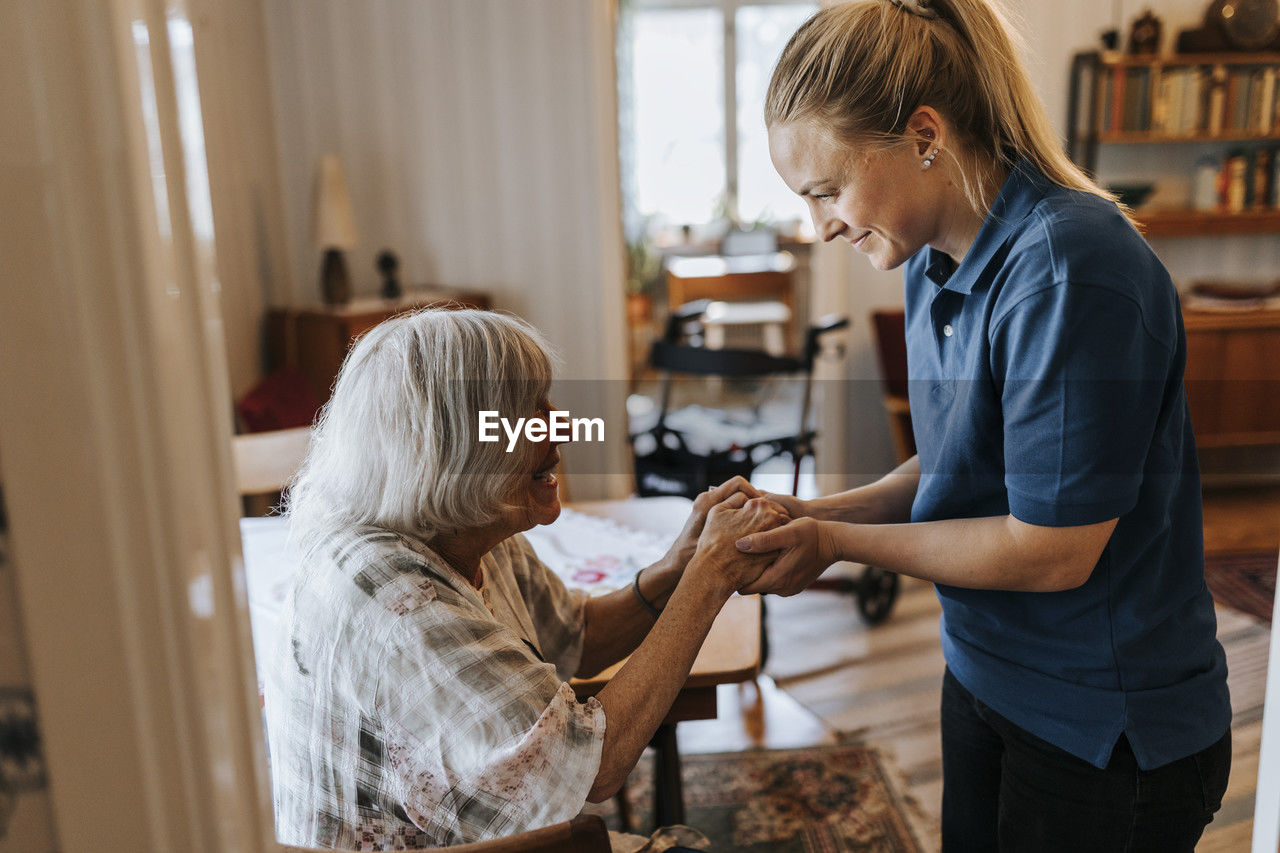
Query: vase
[[639, 308]]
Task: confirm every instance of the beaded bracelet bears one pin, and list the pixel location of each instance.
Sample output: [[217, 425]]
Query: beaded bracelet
[[635, 587]]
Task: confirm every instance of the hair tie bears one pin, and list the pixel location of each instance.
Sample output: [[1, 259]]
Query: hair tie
[[923, 8]]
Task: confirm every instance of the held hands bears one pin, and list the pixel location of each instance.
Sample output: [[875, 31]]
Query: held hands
[[682, 550], [729, 521], [803, 549]]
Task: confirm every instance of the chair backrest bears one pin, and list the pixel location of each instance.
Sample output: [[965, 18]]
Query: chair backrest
[[583, 834], [889, 325], [265, 462]]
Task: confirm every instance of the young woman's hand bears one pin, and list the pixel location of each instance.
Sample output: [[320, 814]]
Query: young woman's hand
[[803, 549]]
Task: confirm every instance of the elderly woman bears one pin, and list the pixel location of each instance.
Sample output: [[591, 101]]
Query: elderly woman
[[419, 693]]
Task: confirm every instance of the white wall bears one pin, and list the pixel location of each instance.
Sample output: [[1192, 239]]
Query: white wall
[[478, 140]]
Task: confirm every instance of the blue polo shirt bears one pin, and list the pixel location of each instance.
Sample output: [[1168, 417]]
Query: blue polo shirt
[[1046, 382]]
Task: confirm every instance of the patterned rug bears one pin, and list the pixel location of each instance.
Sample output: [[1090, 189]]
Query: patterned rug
[[826, 799], [1246, 582]]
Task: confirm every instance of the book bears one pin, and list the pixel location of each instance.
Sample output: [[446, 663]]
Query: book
[[1253, 113], [1267, 101], [1193, 117], [1217, 100], [1275, 103], [1273, 186], [1174, 81], [1134, 97], [1261, 179], [1142, 120], [1236, 100], [1103, 95], [1162, 84], [1237, 173], [1116, 121]]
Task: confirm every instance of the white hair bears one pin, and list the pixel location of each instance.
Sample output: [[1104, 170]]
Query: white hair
[[397, 445]]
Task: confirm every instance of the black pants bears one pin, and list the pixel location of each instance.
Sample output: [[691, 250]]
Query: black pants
[[1006, 789]]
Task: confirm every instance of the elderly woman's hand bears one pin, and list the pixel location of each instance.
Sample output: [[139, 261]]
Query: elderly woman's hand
[[681, 551], [729, 521]]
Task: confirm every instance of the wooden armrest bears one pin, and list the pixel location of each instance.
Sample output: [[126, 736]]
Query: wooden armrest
[[897, 405], [583, 834]]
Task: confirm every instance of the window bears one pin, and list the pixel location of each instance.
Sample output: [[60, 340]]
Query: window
[[693, 75]]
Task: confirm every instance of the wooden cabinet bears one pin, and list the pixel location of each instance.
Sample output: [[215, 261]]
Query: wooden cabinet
[[1233, 376], [315, 338]]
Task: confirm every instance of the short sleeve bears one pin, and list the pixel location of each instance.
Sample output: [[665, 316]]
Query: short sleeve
[[1082, 382], [482, 739], [558, 613]]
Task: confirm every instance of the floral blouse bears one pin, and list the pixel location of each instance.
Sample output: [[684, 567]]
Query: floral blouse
[[405, 709]]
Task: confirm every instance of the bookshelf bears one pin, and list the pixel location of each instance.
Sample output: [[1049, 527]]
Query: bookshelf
[[1183, 111], [1226, 103]]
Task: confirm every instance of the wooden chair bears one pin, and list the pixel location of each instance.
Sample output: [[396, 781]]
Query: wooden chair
[[889, 328], [583, 834], [265, 462]]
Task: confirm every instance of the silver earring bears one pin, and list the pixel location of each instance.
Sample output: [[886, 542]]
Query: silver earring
[[928, 161]]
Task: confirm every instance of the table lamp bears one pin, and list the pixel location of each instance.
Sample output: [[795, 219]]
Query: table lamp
[[333, 229]]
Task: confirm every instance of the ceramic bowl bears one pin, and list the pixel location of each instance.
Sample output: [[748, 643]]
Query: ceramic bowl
[[1132, 194]]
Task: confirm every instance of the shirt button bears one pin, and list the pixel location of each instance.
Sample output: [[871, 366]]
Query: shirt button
[[948, 331]]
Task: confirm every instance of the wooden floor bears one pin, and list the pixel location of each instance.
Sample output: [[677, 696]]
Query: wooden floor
[[830, 678]]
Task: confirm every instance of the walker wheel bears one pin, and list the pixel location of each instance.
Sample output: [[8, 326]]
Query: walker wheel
[[877, 591]]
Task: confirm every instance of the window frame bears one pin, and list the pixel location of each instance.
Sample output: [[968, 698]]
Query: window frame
[[729, 48]]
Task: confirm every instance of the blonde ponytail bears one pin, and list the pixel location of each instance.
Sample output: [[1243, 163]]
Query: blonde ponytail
[[861, 69]]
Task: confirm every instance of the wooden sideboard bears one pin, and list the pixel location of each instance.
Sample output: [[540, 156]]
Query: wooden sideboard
[[315, 338], [1233, 376]]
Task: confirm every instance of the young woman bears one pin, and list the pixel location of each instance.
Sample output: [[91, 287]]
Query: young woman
[[1055, 500]]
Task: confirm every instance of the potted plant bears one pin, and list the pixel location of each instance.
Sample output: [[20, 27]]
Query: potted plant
[[644, 265]]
